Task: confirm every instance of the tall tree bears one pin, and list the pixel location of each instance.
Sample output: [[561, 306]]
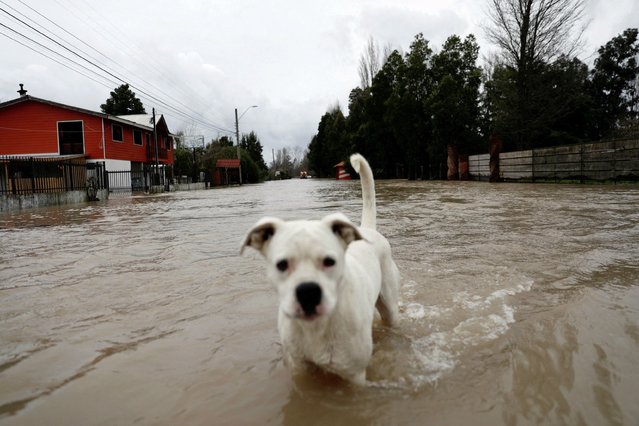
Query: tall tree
[[558, 102], [371, 61], [563, 88], [408, 110], [530, 34], [529, 31], [382, 140], [614, 85], [329, 146], [122, 102], [251, 144], [455, 99]]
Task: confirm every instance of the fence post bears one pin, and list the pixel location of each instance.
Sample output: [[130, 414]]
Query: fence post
[[33, 185], [67, 176], [614, 161], [532, 164], [11, 179], [581, 161], [493, 164], [105, 177]]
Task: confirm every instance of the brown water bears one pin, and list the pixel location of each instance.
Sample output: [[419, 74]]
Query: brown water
[[520, 305]]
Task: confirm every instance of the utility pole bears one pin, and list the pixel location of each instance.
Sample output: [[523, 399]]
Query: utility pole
[[155, 141], [237, 135]]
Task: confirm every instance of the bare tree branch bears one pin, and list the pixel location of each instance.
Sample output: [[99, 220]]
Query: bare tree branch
[[371, 62], [535, 30]]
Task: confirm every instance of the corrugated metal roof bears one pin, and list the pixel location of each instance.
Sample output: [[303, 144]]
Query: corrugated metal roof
[[142, 119], [229, 164]]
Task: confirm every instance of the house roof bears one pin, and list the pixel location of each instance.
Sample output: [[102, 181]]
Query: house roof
[[229, 164], [144, 121], [141, 119]]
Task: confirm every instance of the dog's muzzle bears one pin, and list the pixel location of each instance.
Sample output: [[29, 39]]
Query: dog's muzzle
[[309, 296]]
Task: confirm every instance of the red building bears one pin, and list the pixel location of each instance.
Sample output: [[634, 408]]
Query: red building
[[31, 126], [340, 171], [226, 171]]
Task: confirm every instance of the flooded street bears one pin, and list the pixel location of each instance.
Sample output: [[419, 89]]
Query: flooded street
[[519, 305]]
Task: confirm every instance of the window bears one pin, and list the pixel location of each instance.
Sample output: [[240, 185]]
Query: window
[[116, 131], [137, 137], [70, 137]]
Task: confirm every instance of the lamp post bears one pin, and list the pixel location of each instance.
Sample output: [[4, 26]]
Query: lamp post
[[237, 135]]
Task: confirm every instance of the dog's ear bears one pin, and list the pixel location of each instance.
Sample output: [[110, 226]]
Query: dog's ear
[[261, 233], [343, 228]]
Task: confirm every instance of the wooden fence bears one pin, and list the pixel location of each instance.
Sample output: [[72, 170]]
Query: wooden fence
[[616, 160]]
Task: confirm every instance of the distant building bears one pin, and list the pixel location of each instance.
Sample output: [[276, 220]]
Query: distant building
[[36, 127], [340, 171]]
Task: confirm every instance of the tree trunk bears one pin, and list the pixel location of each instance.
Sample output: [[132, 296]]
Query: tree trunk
[[453, 159], [495, 149], [463, 167]]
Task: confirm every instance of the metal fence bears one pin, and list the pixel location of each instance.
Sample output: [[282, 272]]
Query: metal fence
[[123, 182], [32, 175], [126, 181]]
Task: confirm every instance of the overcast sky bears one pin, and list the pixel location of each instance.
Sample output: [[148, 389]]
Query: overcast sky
[[293, 58]]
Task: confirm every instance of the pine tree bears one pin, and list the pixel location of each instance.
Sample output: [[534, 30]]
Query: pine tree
[[123, 102]]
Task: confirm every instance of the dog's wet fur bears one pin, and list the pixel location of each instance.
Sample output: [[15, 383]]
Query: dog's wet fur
[[330, 275]]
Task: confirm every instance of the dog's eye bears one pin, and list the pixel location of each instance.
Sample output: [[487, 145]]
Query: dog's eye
[[282, 265], [328, 262]]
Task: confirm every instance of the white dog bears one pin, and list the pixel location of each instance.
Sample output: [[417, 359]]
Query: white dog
[[330, 276]]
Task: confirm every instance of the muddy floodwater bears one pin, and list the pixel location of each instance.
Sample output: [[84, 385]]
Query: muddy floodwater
[[519, 305]]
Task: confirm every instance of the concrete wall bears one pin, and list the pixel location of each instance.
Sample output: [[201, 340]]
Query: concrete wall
[[16, 202], [599, 161], [187, 186]]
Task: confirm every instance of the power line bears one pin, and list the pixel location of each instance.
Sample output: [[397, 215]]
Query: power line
[[103, 69], [53, 59], [52, 51], [100, 53], [150, 62]]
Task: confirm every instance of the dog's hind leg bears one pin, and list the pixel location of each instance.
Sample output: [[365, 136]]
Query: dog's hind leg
[[388, 300]]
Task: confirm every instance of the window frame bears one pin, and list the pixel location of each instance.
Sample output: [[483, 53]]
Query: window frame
[[113, 126], [81, 133], [139, 133]]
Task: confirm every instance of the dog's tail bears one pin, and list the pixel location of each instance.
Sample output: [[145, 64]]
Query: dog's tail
[[369, 210]]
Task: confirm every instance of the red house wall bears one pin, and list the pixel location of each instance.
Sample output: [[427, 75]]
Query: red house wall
[[125, 150], [31, 127]]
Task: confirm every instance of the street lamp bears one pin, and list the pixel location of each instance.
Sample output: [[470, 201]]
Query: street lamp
[[237, 134]]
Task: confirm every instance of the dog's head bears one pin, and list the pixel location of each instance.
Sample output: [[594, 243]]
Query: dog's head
[[305, 261]]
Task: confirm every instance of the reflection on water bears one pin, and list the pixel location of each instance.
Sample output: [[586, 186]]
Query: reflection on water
[[520, 304]]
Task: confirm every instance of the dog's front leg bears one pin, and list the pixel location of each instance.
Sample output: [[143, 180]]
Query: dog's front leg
[[358, 378], [295, 364]]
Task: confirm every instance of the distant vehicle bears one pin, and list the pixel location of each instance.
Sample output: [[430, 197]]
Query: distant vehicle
[[303, 175], [281, 175]]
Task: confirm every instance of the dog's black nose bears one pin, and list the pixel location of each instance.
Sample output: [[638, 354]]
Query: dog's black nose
[[309, 295]]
